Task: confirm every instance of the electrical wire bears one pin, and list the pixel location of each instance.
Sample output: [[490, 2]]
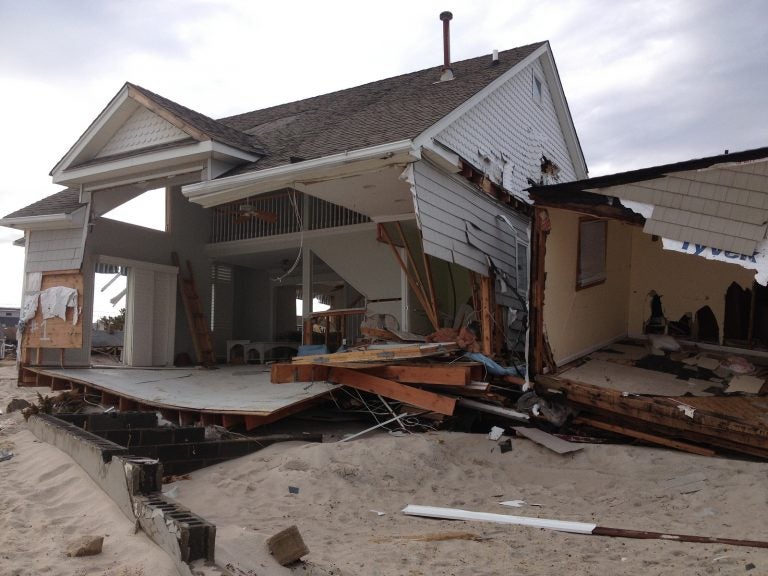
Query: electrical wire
[[300, 221]]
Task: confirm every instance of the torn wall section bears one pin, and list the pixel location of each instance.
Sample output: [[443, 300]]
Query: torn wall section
[[463, 226]]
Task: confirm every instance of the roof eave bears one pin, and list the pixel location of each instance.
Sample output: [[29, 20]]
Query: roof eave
[[60, 221], [229, 188]]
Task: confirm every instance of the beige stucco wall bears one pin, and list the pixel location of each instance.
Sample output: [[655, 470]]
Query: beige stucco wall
[[685, 282], [577, 321]]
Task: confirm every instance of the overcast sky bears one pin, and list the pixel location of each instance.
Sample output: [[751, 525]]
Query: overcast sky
[[648, 82]]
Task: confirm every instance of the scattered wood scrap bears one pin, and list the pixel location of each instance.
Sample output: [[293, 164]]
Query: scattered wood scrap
[[391, 389], [547, 440]]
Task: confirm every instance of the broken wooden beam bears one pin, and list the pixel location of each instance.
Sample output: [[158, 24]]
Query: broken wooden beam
[[422, 374], [389, 389], [638, 435], [380, 354]]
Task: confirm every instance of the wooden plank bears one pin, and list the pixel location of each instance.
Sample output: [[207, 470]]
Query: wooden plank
[[389, 389], [547, 440], [413, 281], [486, 313], [380, 354], [287, 373], [653, 439], [427, 375], [230, 420]]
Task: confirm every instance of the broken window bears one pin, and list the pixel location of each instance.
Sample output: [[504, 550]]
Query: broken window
[[593, 236]]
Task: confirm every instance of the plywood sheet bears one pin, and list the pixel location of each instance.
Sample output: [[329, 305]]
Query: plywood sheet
[[55, 332], [634, 380], [234, 389]]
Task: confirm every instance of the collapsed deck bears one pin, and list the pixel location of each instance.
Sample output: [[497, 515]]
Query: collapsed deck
[[227, 396]]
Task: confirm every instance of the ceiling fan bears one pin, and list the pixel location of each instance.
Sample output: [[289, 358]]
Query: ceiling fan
[[245, 212]]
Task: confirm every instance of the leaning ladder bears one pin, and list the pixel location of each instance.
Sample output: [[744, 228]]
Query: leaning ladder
[[201, 335]]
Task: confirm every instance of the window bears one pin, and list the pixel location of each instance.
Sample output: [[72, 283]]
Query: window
[[538, 89], [593, 235]]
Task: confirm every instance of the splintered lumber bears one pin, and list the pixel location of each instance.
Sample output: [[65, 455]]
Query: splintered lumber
[[380, 354], [389, 389], [653, 439], [585, 528], [650, 415]]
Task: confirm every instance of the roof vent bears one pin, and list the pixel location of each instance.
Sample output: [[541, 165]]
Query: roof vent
[[495, 57], [447, 74]]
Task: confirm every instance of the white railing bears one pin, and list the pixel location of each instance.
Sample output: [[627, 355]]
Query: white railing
[[275, 214]]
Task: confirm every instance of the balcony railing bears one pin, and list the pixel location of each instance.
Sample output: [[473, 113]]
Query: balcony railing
[[284, 212]]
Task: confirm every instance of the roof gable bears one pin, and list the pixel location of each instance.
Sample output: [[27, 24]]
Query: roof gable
[[137, 122], [143, 129]]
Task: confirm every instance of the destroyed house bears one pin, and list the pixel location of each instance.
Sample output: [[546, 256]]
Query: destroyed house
[[395, 205], [673, 255]]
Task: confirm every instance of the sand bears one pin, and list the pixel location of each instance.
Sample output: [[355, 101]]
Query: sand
[[350, 496], [46, 500], [343, 487]]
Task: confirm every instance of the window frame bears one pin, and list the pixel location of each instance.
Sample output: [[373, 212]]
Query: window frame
[[580, 283]]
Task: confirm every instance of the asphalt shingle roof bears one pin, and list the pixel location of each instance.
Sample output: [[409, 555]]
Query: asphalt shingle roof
[[216, 130], [385, 111], [64, 202], [379, 112]]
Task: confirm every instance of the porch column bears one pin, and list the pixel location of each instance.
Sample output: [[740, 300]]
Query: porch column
[[306, 293]]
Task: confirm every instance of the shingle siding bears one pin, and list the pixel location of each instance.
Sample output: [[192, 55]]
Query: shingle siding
[[49, 250], [143, 129], [507, 133]]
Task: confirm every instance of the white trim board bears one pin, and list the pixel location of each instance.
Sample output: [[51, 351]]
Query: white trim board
[[456, 514]]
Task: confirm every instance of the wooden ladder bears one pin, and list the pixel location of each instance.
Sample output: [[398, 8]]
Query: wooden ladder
[[198, 327]]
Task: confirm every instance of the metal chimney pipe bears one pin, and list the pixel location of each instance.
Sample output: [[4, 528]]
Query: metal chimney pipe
[[447, 74]]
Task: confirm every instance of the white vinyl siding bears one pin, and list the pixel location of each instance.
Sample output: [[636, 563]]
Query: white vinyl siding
[[460, 224]]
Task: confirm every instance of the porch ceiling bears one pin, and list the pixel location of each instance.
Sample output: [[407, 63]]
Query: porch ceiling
[[379, 195]]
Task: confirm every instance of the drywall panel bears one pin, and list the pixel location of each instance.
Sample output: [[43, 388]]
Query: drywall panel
[[578, 320], [506, 135], [684, 281]]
